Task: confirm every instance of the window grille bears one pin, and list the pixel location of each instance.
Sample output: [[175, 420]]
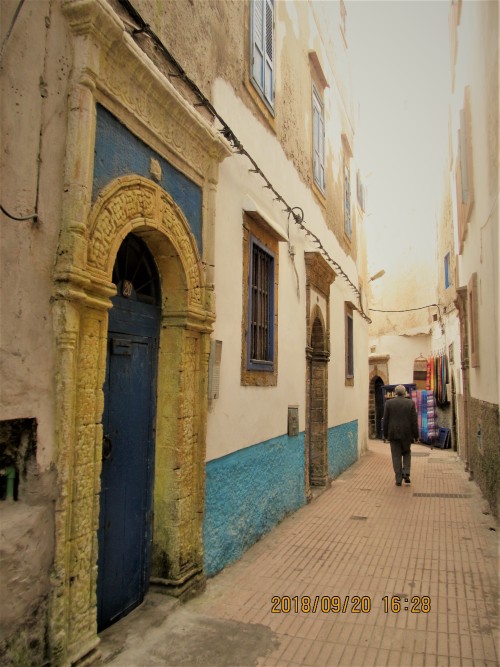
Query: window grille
[[261, 308], [349, 341]]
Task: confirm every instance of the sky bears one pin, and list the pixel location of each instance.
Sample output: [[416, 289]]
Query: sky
[[400, 67]]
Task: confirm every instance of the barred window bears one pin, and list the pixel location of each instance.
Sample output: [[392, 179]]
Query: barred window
[[261, 308], [349, 344]]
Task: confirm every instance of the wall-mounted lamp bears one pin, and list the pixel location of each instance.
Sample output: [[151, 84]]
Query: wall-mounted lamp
[[377, 275]]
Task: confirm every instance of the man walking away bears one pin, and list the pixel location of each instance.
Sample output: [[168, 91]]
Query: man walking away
[[401, 429]]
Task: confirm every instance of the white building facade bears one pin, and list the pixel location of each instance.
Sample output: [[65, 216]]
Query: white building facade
[[185, 347]]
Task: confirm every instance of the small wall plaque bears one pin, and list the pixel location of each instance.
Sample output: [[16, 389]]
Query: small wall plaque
[[293, 420]]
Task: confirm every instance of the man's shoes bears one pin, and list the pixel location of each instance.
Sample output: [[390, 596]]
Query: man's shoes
[[407, 479], [398, 483]]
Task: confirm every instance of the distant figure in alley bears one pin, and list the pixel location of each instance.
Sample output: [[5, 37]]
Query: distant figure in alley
[[401, 429]]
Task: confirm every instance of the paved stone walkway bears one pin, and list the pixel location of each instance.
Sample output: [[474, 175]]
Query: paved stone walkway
[[368, 574]]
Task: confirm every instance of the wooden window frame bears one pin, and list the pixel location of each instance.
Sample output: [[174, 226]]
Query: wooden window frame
[[349, 343], [318, 150], [262, 85], [473, 317], [260, 235]]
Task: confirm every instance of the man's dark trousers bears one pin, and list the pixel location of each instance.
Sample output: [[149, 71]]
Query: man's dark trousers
[[400, 428], [401, 459]]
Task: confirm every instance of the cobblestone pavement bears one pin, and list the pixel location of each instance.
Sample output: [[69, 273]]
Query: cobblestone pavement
[[368, 574]]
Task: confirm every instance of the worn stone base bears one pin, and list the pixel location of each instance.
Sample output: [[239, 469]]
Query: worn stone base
[[185, 588], [28, 645], [484, 439]]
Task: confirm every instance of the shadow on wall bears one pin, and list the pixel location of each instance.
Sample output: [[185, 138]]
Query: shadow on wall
[[342, 447], [26, 545]]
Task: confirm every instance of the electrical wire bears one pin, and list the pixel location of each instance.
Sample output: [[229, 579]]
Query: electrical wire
[[405, 310], [11, 27], [229, 135], [34, 216]]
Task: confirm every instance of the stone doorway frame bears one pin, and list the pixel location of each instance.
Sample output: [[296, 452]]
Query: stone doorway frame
[[378, 369], [152, 109], [319, 278]]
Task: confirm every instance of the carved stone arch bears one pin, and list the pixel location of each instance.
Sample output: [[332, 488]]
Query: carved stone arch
[[131, 204], [136, 204], [378, 376], [317, 336], [378, 372]]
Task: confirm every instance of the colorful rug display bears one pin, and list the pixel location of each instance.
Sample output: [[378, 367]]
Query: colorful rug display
[[425, 404]]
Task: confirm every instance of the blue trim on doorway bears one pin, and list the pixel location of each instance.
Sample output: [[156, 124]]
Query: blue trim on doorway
[[342, 447], [118, 152], [247, 493]]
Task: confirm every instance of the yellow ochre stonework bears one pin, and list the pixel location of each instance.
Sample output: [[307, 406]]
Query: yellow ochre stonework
[[130, 204]]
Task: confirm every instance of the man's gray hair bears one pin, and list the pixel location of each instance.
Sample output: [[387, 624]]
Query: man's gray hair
[[400, 390]]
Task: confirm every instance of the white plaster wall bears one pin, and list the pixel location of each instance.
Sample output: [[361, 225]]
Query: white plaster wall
[[402, 351], [347, 403], [477, 66], [244, 416], [33, 83]]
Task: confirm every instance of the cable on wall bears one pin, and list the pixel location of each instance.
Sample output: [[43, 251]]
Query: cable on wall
[[33, 217], [296, 212], [407, 310], [11, 27]]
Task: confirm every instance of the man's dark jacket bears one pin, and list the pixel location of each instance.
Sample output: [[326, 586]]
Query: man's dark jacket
[[400, 420]]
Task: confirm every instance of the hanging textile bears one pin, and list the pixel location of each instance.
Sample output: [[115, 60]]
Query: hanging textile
[[430, 374]]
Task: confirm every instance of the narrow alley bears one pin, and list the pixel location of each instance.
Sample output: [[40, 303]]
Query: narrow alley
[[367, 574]]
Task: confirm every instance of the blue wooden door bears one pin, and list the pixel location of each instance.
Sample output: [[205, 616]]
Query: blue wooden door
[[125, 519]]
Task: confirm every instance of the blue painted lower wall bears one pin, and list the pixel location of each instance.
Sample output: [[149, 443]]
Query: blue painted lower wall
[[342, 447], [247, 493]]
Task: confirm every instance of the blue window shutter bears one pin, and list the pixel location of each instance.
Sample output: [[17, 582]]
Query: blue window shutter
[[322, 149], [262, 41], [258, 33], [269, 71], [447, 270], [316, 160], [318, 142]]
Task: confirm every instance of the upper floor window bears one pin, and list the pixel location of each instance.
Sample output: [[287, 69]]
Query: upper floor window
[[343, 21], [347, 198], [261, 308], [349, 344], [259, 353], [318, 139], [360, 191], [463, 170], [262, 49], [473, 317], [447, 280]]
